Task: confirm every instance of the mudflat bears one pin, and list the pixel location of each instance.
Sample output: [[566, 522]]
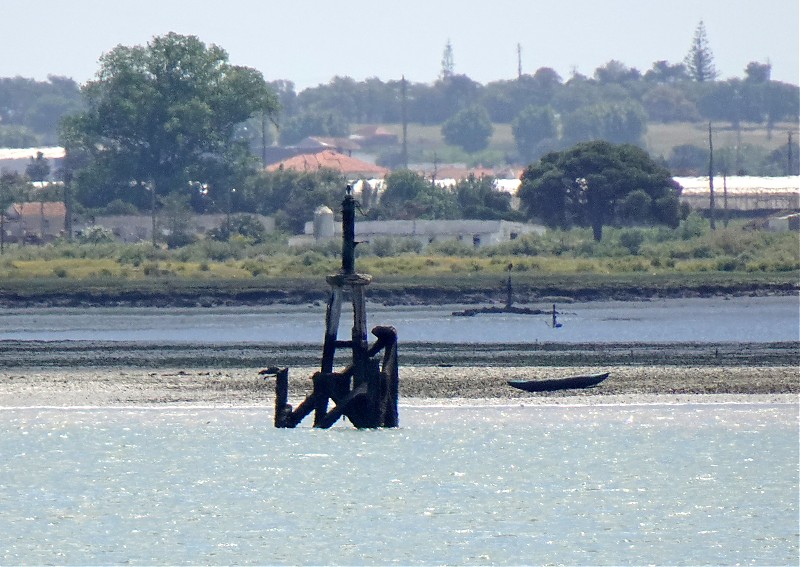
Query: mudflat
[[419, 385]]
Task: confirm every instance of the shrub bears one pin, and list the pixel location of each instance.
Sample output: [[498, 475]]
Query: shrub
[[729, 264], [631, 240], [693, 226], [451, 248], [95, 235], [382, 247]]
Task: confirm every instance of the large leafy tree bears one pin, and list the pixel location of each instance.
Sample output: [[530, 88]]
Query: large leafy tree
[[162, 114], [478, 199], [591, 184], [469, 129], [408, 195]]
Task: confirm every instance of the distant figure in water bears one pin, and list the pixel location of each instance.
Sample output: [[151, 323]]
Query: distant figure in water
[[556, 324]]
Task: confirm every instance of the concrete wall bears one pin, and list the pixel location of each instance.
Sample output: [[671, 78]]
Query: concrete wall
[[477, 233], [136, 228]]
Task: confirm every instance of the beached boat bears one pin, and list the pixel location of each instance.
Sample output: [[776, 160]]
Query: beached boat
[[572, 382]]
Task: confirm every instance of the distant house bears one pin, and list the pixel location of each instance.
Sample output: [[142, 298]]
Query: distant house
[[369, 136], [35, 221], [314, 144], [784, 223], [350, 167]]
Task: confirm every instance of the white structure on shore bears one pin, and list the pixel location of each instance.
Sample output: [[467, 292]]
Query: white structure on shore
[[477, 233], [744, 192]]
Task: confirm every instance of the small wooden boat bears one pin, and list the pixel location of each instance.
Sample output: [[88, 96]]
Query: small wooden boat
[[572, 382]]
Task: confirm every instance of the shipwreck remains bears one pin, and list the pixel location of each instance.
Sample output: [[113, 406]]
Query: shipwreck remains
[[365, 391]]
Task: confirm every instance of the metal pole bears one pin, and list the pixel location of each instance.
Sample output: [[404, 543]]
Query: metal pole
[[349, 232], [153, 212]]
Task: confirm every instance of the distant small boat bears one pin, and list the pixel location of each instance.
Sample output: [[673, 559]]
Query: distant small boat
[[572, 382]]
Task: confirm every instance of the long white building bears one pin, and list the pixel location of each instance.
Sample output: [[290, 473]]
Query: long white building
[[744, 192]]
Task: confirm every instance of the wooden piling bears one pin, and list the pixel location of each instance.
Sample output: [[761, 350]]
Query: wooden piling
[[366, 391]]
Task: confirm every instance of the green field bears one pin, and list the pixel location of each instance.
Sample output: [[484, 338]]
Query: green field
[[659, 138]]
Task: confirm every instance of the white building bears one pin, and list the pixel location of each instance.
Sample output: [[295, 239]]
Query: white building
[[744, 193], [477, 233]]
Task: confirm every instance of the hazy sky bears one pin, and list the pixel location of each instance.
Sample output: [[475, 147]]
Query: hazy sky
[[309, 41]]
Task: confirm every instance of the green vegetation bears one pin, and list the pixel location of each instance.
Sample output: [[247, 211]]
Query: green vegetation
[[690, 257], [596, 183]]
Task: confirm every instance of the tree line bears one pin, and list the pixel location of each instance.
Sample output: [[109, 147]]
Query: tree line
[[171, 126]]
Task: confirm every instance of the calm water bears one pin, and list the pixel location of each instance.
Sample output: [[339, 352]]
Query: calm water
[[662, 484], [765, 319]]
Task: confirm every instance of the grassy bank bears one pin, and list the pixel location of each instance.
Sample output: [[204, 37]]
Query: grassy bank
[[628, 262]]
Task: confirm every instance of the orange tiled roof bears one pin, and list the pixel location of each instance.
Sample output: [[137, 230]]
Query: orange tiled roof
[[331, 160], [37, 208]]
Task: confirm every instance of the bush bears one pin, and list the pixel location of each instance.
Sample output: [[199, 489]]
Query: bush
[[95, 235], [631, 240], [693, 226], [383, 247], [451, 248]]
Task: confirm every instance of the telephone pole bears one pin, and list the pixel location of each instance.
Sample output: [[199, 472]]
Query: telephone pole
[[711, 179], [404, 110]]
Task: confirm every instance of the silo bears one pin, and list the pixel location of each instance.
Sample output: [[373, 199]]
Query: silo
[[323, 223]]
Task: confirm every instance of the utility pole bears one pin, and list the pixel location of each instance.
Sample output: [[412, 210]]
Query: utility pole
[[152, 188], [711, 179], [67, 175], [404, 109], [263, 139], [519, 61], [789, 156]]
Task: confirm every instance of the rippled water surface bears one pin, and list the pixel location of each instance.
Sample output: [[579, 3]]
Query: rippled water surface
[[741, 319], [661, 484]]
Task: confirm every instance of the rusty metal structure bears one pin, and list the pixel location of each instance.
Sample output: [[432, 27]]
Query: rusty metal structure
[[365, 391]]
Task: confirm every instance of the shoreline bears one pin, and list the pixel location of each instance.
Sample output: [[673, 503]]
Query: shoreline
[[420, 387], [568, 289]]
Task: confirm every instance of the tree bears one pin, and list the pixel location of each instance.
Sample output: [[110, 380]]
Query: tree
[[38, 169], [478, 199], [313, 123], [757, 72], [160, 115], [17, 137], [666, 103], [532, 128], [616, 72], [469, 129], [590, 185], [700, 60], [622, 122], [665, 72], [292, 196], [402, 187]]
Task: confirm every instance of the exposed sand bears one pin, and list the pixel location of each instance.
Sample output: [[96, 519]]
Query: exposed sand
[[419, 386]]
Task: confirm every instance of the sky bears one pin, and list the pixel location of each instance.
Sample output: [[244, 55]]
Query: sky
[[309, 42]]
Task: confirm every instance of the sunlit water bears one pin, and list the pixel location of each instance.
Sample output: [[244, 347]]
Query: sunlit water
[[660, 484], [741, 319]]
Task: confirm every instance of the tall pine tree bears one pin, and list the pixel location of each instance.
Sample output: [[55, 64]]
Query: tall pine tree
[[700, 61]]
